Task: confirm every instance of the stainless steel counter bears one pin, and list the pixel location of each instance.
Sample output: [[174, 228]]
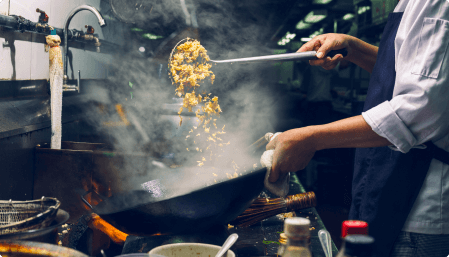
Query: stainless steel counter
[[262, 239]]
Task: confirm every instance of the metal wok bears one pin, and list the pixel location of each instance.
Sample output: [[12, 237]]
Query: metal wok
[[176, 203]]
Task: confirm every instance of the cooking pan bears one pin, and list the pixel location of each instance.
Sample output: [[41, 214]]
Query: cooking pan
[[177, 203]]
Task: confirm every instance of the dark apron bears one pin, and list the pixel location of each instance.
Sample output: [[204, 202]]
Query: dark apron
[[387, 182]]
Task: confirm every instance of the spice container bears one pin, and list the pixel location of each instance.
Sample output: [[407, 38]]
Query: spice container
[[297, 231]]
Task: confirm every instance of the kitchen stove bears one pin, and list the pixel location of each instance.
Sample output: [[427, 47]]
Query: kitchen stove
[[261, 239], [135, 244], [258, 240]]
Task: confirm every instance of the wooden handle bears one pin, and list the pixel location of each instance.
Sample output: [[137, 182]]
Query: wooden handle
[[301, 201], [117, 236]]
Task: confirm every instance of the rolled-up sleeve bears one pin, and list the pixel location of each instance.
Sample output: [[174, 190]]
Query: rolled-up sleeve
[[418, 111], [386, 123]]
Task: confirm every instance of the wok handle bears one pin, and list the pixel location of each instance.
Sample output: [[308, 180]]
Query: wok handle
[[117, 236]]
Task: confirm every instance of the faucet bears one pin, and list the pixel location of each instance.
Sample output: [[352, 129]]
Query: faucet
[[66, 28], [89, 35]]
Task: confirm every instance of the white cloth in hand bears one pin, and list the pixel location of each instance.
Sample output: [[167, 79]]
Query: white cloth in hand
[[281, 186]]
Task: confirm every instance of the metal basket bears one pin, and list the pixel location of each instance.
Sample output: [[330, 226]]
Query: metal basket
[[19, 216]]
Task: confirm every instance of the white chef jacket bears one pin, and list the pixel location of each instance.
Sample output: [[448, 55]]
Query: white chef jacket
[[419, 109]]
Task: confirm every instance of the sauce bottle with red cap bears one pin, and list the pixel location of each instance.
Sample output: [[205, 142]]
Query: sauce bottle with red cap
[[357, 246], [352, 227]]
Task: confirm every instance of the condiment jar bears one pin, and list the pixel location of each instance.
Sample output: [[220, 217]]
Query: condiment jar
[[283, 243], [297, 231]]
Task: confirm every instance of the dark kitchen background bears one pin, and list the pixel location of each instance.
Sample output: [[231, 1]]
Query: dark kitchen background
[[127, 101]]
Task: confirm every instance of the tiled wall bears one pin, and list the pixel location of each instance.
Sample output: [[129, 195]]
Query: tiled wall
[[28, 56]]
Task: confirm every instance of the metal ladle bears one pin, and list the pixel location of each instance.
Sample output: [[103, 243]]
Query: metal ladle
[[227, 244], [309, 55], [304, 56]]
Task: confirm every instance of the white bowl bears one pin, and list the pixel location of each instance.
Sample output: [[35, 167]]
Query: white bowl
[[189, 249]]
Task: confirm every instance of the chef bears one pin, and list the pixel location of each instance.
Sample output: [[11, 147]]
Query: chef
[[401, 171]]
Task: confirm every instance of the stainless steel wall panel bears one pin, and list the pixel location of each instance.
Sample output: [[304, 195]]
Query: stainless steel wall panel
[[24, 58], [17, 156]]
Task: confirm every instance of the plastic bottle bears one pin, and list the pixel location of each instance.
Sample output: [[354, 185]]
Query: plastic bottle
[[357, 246], [297, 231]]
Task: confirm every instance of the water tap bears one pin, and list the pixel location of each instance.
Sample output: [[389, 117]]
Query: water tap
[[43, 17], [101, 21]]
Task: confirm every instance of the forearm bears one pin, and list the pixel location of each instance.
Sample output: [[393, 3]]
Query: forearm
[[362, 54], [293, 149], [352, 132]]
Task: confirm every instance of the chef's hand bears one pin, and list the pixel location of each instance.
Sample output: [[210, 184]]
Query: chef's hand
[[293, 150], [360, 53], [322, 44]]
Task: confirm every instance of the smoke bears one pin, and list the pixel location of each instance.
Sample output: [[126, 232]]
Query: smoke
[[133, 110]]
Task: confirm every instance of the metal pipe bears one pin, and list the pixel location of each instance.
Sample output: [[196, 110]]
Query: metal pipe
[[8, 21], [94, 38], [66, 28], [11, 22], [19, 23], [97, 44], [73, 88]]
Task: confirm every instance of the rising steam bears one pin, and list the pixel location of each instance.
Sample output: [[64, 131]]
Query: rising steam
[[146, 126]]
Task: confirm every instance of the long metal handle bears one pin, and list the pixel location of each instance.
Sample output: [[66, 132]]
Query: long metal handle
[[227, 244], [309, 55]]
